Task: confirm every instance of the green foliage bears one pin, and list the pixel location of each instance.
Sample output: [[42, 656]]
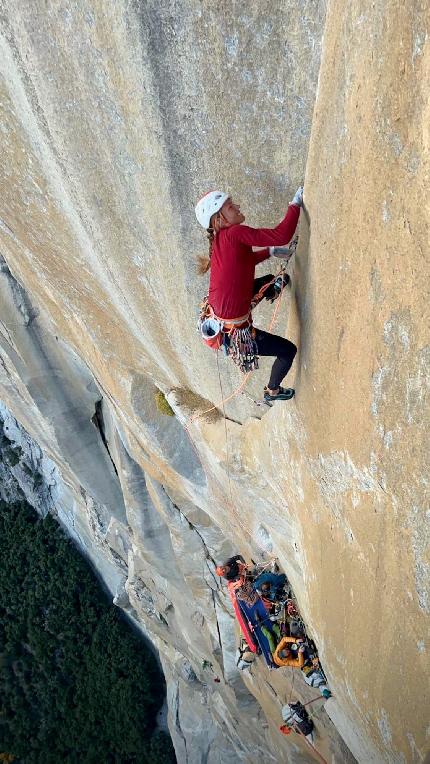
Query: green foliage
[[162, 404], [12, 455], [161, 750], [77, 683]]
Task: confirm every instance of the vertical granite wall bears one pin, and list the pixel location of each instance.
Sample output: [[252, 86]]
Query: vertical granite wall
[[115, 117]]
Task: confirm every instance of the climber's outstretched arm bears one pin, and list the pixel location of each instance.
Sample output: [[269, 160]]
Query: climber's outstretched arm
[[267, 237], [270, 237]]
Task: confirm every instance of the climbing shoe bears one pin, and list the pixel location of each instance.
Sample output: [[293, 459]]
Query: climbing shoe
[[283, 394]]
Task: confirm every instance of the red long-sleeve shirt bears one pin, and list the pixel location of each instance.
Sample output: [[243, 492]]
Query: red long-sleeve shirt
[[233, 262]]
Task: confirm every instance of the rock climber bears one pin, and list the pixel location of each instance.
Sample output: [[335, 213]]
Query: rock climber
[[290, 652], [297, 718], [232, 568], [271, 585], [231, 289]]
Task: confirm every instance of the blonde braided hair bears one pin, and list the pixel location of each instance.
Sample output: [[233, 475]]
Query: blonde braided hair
[[204, 263]]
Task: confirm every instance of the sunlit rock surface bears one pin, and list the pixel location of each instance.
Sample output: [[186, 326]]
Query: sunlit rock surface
[[115, 117]]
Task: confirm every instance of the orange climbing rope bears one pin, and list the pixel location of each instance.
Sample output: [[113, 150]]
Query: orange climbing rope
[[312, 747]]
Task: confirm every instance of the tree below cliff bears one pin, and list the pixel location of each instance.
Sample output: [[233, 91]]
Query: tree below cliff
[[77, 684]]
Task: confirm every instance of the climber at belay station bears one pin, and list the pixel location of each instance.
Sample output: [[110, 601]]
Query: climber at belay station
[[232, 568], [226, 317], [267, 582]]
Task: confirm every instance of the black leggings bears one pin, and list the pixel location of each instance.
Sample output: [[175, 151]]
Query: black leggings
[[271, 344], [270, 292]]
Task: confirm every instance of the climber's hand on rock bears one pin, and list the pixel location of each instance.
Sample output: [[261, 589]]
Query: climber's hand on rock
[[298, 197], [284, 253], [302, 648]]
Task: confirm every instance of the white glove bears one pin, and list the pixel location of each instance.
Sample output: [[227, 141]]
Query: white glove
[[284, 253], [298, 197]]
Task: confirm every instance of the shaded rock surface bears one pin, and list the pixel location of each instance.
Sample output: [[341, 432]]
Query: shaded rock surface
[[115, 118]]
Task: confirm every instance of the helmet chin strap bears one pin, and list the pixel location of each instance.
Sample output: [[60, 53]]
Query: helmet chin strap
[[220, 222]]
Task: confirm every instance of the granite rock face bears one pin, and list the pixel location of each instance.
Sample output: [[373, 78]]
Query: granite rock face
[[115, 117]]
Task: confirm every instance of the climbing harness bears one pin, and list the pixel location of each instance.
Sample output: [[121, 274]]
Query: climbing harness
[[237, 335]]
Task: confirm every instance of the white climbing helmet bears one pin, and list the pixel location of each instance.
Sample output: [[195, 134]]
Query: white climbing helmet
[[208, 205]]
